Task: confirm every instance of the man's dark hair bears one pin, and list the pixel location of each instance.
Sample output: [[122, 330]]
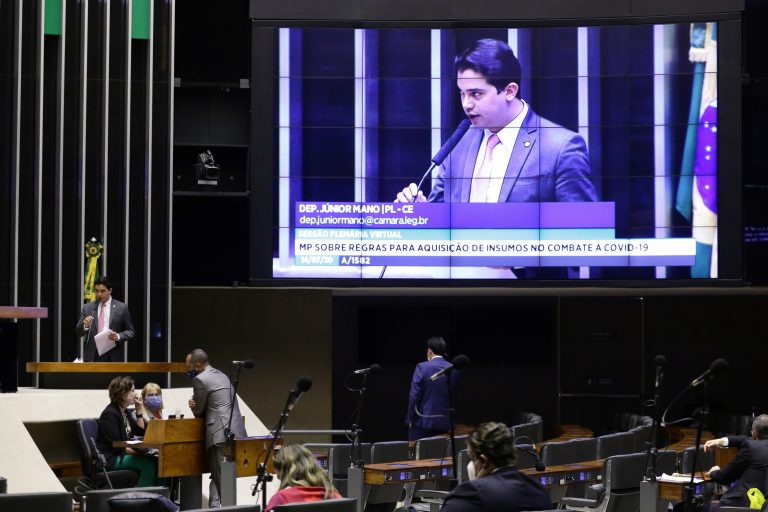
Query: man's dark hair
[[437, 345], [495, 441], [760, 426], [119, 387], [493, 59], [198, 356], [103, 280]]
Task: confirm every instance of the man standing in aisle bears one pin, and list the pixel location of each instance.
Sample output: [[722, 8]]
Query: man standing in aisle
[[428, 401], [104, 313], [212, 399]]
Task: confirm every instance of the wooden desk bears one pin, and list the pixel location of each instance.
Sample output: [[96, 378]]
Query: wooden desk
[[408, 471], [181, 453], [23, 312], [54, 367], [656, 496], [9, 350]]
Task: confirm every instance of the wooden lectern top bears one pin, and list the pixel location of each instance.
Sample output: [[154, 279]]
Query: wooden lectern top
[[47, 367], [23, 312]]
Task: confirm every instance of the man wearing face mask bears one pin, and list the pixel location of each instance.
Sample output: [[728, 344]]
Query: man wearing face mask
[[212, 399], [495, 484]]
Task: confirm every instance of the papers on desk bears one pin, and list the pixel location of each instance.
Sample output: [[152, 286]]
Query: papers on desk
[[678, 478], [103, 343], [134, 441]]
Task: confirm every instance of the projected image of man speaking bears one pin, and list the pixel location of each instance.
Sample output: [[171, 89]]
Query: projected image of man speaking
[[510, 154]]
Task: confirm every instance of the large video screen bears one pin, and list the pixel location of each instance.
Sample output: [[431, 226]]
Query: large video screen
[[496, 153]]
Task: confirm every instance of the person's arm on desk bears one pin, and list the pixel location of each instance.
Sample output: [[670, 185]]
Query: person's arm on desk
[[735, 468]]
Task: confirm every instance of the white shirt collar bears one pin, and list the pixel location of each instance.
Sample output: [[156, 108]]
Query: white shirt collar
[[508, 134]]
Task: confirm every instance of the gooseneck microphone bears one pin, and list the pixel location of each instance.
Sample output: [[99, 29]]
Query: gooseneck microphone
[[365, 371], [660, 361], [444, 151], [717, 367], [302, 386], [459, 362], [246, 363]]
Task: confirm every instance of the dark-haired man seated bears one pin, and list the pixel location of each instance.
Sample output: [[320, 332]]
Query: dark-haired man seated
[[748, 469], [495, 484]]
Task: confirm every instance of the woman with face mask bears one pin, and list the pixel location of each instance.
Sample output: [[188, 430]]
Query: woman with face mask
[[116, 423], [495, 484], [151, 406]]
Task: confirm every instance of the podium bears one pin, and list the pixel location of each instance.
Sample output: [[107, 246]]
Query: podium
[[181, 453], [9, 370], [54, 375]]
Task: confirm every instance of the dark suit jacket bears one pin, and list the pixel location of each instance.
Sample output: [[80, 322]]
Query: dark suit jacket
[[119, 321], [747, 470], [505, 490], [431, 398], [548, 163], [211, 391], [112, 428]]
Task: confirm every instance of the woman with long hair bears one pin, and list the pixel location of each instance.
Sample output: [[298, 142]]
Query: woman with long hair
[[301, 478]]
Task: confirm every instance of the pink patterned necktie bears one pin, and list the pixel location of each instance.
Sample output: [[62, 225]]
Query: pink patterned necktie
[[482, 177], [102, 307]]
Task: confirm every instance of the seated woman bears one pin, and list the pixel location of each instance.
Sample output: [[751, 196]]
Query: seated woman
[[301, 478], [116, 424], [150, 407]]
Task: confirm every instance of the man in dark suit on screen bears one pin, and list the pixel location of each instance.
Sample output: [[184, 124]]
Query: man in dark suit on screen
[[104, 313], [748, 469], [428, 400], [495, 484], [510, 154]]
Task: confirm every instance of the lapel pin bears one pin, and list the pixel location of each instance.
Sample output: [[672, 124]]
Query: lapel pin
[[527, 144]]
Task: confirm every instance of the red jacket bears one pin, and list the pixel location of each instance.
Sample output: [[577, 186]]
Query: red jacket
[[298, 495]]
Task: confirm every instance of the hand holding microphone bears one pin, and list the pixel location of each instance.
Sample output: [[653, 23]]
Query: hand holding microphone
[[412, 193]]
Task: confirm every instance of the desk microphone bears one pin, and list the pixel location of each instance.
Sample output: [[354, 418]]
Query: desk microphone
[[302, 386], [459, 362], [717, 367], [370, 369], [247, 363]]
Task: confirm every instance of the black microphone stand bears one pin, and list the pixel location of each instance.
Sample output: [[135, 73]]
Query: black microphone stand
[[691, 500], [228, 430], [356, 452], [452, 433], [651, 449], [262, 476]]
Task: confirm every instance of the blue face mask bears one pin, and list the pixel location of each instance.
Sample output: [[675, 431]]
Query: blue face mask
[[154, 402], [192, 373]]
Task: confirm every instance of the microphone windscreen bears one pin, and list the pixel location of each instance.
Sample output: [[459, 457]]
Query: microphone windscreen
[[660, 360], [718, 366], [304, 383], [451, 142], [460, 361], [375, 368], [248, 363]]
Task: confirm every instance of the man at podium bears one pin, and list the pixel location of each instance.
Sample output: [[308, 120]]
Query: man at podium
[[104, 314]]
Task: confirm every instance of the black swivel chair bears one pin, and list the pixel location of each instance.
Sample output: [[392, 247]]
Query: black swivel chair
[[337, 505], [621, 476], [389, 451], [40, 501], [620, 443], [88, 429], [98, 500]]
